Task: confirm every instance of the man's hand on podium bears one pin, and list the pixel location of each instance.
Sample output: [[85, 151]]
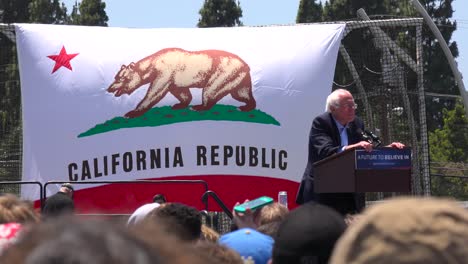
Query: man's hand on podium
[[362, 144], [397, 145]]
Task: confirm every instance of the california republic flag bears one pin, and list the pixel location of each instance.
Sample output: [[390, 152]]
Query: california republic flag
[[230, 106]]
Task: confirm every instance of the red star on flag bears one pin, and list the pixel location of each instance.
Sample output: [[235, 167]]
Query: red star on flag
[[62, 59]]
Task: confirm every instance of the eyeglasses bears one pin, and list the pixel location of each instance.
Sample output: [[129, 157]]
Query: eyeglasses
[[352, 106]]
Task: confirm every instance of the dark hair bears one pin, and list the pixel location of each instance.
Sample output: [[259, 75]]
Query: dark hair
[[270, 229], [308, 234], [218, 253], [169, 246], [58, 204], [71, 240], [159, 198], [68, 186], [179, 219]]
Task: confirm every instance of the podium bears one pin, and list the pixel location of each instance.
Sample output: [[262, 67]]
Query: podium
[[355, 170]]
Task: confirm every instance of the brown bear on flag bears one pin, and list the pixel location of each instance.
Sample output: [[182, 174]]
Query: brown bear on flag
[[218, 73]]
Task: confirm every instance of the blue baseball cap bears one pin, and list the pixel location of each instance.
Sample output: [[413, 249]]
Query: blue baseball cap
[[250, 244]]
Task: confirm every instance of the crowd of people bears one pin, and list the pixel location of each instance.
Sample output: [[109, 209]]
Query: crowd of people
[[397, 230]]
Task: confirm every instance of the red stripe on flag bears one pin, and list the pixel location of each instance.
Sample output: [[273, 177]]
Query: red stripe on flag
[[125, 198]]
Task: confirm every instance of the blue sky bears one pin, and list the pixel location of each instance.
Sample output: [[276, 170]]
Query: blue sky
[[184, 13]]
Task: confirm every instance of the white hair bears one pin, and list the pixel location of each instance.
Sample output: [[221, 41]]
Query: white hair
[[333, 99]]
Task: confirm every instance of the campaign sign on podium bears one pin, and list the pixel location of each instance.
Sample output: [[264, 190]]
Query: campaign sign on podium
[[383, 159], [355, 170]]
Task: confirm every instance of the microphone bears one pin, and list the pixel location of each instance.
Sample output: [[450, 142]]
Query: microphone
[[363, 135], [374, 138]]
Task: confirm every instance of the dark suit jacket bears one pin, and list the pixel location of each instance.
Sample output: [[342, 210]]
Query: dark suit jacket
[[324, 141]]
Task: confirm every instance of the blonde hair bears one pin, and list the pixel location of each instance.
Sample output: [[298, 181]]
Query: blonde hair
[[209, 234], [406, 230], [15, 210], [271, 213]]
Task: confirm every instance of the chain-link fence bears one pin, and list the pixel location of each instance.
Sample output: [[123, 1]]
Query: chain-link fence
[[380, 62], [10, 111]]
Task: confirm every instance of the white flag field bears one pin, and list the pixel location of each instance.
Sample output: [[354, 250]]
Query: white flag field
[[230, 106]]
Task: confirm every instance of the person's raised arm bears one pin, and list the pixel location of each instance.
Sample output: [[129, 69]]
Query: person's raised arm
[[244, 220]]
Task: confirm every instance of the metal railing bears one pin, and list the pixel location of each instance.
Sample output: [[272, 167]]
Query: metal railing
[[204, 183], [41, 188], [223, 206]]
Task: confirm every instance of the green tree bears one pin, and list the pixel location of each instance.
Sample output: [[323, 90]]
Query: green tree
[[309, 11], [47, 12], [14, 11], [362, 43], [450, 143], [438, 78], [448, 150], [74, 17], [89, 13], [335, 10], [220, 13]]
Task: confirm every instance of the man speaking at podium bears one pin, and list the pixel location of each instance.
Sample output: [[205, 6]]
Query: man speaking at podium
[[334, 131]]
